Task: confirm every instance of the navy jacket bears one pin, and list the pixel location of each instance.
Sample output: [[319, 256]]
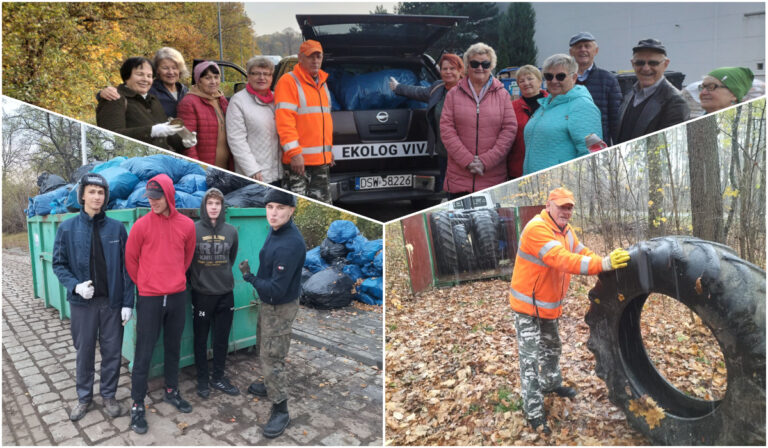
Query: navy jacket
[[278, 279], [430, 95], [606, 93], [71, 256], [167, 100]]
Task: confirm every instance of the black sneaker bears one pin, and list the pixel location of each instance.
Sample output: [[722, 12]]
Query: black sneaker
[[225, 386], [138, 422], [172, 396], [278, 420], [203, 391], [258, 388], [540, 422], [563, 391]]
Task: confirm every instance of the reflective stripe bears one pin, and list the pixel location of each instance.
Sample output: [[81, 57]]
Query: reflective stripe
[[289, 106], [531, 258], [302, 98], [523, 298], [547, 247], [585, 265], [291, 145], [315, 149], [579, 248], [314, 110], [569, 236]]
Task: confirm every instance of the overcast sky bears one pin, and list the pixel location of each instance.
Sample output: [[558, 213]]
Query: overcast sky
[[270, 17]]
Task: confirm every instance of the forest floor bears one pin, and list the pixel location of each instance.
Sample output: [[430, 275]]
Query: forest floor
[[452, 373]]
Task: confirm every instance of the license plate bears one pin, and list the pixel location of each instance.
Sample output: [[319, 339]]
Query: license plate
[[391, 181]]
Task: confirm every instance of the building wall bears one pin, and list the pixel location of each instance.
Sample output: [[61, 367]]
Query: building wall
[[699, 36]]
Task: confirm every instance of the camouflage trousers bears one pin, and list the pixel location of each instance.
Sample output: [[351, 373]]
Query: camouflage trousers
[[315, 183], [275, 323], [539, 348]]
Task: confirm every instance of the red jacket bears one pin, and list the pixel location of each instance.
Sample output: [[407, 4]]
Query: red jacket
[[517, 155], [160, 248], [465, 132], [200, 117]]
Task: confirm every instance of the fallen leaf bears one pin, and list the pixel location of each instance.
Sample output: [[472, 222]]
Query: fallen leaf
[[699, 289], [646, 407]]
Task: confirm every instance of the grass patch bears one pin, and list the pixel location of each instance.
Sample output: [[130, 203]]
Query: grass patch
[[12, 240], [392, 327], [507, 401]]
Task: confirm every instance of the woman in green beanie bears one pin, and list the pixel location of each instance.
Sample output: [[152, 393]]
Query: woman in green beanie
[[724, 87]]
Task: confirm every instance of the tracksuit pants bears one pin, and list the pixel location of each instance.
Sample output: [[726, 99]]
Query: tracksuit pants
[[90, 322], [209, 311], [154, 313]]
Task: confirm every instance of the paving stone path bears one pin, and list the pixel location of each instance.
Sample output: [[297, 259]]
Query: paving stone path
[[336, 397]]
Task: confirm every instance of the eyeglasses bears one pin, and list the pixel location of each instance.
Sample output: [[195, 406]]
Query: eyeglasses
[[486, 64], [709, 87], [260, 74], [642, 62], [559, 76]]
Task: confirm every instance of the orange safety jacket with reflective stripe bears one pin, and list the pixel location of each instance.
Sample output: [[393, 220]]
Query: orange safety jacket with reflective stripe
[[303, 116], [546, 258]]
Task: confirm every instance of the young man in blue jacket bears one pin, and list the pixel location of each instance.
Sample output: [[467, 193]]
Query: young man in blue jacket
[[278, 283], [88, 259]]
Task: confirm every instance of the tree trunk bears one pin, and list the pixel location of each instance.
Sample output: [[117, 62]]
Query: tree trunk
[[653, 146], [706, 201]]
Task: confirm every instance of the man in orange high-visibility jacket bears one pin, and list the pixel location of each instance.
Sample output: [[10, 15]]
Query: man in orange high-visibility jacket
[[548, 254], [303, 117]]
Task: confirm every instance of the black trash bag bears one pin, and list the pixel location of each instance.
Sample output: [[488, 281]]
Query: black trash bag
[[305, 275], [83, 170], [328, 289], [331, 251], [225, 181], [50, 182], [250, 196]]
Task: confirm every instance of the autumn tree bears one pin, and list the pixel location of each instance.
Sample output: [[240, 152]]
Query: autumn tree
[[653, 148], [704, 166]]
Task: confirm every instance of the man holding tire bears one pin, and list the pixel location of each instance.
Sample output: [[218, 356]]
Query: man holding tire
[[548, 255]]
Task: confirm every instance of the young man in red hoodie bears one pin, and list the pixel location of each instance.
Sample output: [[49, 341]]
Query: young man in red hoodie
[[158, 253]]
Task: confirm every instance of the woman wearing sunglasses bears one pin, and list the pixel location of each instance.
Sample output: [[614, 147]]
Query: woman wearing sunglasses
[[477, 126], [529, 81], [556, 132], [724, 87]]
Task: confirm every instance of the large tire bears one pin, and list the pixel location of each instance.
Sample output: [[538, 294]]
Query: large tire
[[485, 240], [445, 247], [464, 248], [728, 294]]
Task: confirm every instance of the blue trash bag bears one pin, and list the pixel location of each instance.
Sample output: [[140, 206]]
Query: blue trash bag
[[137, 199], [355, 247], [314, 262], [371, 90], [121, 182], [42, 204], [108, 164], [341, 231], [371, 248], [199, 193], [353, 271], [59, 205], [71, 203], [367, 299], [192, 183], [148, 167], [372, 286], [378, 261], [186, 200], [121, 203]]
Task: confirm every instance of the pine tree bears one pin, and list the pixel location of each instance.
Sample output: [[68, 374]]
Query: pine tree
[[516, 36]]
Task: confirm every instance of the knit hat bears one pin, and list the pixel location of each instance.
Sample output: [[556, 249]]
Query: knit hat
[[200, 68], [93, 179], [280, 197], [737, 79], [561, 196]]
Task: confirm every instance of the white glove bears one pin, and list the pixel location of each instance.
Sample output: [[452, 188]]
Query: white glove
[[190, 142], [393, 83], [85, 289], [165, 129], [126, 314]]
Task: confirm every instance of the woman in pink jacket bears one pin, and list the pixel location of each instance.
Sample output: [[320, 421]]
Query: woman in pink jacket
[[203, 111], [477, 126]]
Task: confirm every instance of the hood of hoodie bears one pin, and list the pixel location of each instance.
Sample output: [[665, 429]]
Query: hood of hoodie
[[168, 190], [577, 92], [204, 212]]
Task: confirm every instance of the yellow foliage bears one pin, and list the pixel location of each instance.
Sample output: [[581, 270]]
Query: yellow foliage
[[646, 407]]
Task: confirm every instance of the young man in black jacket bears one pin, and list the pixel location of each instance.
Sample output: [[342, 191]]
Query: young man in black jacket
[[213, 302], [278, 283]]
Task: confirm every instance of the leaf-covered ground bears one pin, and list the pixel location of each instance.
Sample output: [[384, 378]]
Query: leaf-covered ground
[[452, 370]]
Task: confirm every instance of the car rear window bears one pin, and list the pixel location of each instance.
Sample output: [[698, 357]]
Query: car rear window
[[396, 34]]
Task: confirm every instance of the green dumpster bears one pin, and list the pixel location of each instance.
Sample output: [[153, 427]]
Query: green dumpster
[[252, 229]]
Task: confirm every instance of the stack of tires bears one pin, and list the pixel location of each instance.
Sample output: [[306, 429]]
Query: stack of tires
[[467, 241]]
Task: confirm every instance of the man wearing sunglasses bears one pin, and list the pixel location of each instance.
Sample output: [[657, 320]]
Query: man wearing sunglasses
[[653, 103], [602, 84]]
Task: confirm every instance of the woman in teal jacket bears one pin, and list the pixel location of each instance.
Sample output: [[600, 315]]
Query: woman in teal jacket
[[556, 132]]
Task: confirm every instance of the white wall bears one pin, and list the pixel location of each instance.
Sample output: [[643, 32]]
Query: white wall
[[699, 36]]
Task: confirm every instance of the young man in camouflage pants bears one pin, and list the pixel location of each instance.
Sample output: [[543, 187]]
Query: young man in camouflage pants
[[278, 283], [549, 253]]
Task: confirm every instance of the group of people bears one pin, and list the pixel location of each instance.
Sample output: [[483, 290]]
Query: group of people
[[478, 134], [282, 138], [99, 263]]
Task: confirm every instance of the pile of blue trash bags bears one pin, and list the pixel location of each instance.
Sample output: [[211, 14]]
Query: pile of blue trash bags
[[346, 266], [127, 178], [371, 90]]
